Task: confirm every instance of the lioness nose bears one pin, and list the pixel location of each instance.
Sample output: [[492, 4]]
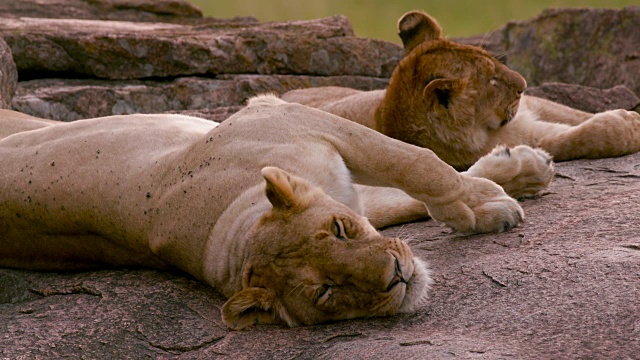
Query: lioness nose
[[516, 80]]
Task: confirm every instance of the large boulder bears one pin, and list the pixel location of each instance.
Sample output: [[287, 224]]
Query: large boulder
[[591, 47], [123, 10], [128, 50], [8, 76], [563, 285]]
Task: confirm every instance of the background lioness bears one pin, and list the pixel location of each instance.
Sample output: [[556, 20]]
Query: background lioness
[[262, 206], [460, 102]]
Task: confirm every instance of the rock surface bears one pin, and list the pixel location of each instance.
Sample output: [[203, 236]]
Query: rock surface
[[590, 47], [8, 76], [562, 285], [128, 50], [72, 99], [586, 98], [211, 64], [123, 10]]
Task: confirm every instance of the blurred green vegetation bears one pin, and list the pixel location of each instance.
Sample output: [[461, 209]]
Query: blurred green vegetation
[[377, 18]]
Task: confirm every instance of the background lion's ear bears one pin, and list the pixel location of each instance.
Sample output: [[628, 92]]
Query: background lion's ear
[[443, 90], [252, 306], [284, 190], [416, 27]]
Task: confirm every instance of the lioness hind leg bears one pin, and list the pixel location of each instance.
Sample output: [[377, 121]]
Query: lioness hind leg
[[12, 122], [385, 206], [549, 111], [607, 134], [521, 171]]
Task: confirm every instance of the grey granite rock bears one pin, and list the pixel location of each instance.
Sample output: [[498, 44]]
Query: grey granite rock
[[128, 50], [8, 76]]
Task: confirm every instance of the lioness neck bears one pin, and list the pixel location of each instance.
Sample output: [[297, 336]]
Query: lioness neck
[[227, 246]]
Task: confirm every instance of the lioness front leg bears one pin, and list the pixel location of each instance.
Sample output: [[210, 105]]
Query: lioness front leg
[[464, 203], [385, 206], [607, 134], [521, 171]]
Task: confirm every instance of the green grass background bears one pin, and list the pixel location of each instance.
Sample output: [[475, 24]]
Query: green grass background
[[377, 18]]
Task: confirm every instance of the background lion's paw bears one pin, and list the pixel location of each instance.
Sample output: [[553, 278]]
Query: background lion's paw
[[522, 171]]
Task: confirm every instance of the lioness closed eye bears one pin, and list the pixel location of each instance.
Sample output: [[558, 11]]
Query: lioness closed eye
[[460, 102], [262, 207]]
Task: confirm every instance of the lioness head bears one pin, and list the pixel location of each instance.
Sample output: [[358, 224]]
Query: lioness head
[[446, 96], [312, 260]]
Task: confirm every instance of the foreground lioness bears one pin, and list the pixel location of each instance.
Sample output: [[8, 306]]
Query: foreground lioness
[[262, 206], [460, 102]]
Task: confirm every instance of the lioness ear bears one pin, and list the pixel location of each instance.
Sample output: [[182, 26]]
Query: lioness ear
[[283, 189], [252, 306], [443, 90], [416, 27]]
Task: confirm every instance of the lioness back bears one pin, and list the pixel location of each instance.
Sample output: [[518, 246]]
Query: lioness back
[[355, 105]]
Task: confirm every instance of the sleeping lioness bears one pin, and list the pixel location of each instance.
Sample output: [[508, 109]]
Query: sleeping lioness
[[262, 207], [460, 102]]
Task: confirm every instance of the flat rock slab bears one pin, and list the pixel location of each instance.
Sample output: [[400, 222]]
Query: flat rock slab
[[564, 284], [73, 99], [127, 10], [128, 50]]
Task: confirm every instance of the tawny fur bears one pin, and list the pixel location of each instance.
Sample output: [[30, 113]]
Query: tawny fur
[[460, 102], [262, 207]]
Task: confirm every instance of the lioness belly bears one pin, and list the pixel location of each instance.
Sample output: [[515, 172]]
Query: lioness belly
[[80, 195]]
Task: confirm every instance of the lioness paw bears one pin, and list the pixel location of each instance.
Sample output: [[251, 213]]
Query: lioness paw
[[521, 171], [483, 207]]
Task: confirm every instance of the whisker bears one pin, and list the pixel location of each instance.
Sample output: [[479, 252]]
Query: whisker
[[503, 53], [297, 286], [301, 290]]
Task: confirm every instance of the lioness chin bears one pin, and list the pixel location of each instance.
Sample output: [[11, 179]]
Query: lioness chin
[[263, 207], [460, 102]]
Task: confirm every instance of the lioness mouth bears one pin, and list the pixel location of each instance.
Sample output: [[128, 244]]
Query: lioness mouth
[[398, 278]]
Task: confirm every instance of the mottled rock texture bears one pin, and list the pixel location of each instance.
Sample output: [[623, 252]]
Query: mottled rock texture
[[587, 98], [128, 50], [563, 285], [72, 99], [8, 76], [590, 47], [122, 10]]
